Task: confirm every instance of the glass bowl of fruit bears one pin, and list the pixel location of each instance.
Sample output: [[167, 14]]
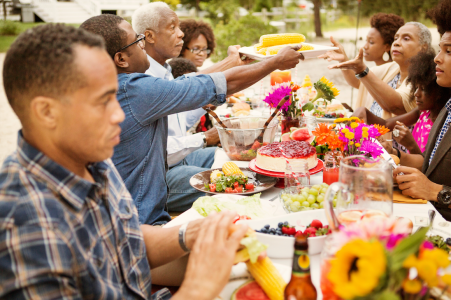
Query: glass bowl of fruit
[[307, 198], [239, 139]]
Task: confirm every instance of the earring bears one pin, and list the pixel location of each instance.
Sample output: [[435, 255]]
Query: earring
[[386, 56]]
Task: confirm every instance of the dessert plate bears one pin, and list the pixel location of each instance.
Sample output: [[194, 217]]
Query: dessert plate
[[253, 166], [318, 50], [261, 182]]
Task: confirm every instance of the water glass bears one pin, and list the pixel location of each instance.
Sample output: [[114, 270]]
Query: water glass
[[297, 176]]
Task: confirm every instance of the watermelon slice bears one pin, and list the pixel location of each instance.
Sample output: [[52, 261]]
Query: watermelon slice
[[250, 290], [285, 137], [293, 128], [302, 134]]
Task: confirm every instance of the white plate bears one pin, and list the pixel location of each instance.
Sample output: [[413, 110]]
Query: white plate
[[319, 49], [326, 120], [282, 246], [241, 269]]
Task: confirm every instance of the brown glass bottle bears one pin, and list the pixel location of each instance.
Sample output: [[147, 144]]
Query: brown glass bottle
[[300, 285]]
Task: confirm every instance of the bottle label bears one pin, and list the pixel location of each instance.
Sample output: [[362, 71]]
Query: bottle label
[[301, 263]]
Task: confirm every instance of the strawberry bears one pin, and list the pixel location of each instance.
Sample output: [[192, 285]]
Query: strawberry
[[291, 231], [256, 145], [228, 190], [310, 230], [317, 224], [237, 217], [299, 233], [311, 235]]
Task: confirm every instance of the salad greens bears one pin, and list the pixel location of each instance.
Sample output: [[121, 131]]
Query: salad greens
[[249, 206], [224, 182]]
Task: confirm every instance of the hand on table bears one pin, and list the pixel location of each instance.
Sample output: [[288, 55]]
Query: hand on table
[[360, 113], [357, 65], [288, 57], [212, 256], [212, 136], [388, 145], [338, 55], [415, 184]]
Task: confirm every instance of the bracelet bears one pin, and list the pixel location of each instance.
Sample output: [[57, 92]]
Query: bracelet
[[398, 153], [205, 140], [363, 74], [182, 231]]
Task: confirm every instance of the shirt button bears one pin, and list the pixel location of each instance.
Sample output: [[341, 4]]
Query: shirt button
[[127, 209]]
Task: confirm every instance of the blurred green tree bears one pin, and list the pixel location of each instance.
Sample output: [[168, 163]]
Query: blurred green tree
[[259, 4], [245, 32], [172, 3]]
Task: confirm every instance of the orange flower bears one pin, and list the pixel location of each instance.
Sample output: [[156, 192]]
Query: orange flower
[[295, 87], [382, 129], [334, 142], [322, 132]]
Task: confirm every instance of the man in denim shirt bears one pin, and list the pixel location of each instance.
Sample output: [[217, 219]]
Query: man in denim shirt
[[69, 228], [147, 101]]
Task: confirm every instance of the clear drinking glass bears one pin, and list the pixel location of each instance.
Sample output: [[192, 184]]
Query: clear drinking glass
[[364, 190], [296, 176]]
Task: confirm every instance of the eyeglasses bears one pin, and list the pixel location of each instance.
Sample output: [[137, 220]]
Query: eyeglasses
[[198, 51], [140, 42]]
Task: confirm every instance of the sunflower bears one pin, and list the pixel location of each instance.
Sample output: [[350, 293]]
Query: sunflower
[[322, 132], [357, 268], [325, 89]]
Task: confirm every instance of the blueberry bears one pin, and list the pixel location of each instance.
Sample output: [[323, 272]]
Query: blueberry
[[266, 226], [285, 234], [285, 223], [280, 225], [448, 241], [272, 230], [264, 230], [272, 233]]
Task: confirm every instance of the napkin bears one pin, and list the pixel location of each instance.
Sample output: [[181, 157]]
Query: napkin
[[398, 197]]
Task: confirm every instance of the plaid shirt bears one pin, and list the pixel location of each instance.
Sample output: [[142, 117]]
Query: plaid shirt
[[62, 237], [444, 129]]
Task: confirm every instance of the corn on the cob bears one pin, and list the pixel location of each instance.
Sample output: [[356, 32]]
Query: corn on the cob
[[230, 168], [268, 277], [257, 47], [269, 40], [275, 49]]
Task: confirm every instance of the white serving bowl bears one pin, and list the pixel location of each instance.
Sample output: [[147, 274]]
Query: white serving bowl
[[283, 246]]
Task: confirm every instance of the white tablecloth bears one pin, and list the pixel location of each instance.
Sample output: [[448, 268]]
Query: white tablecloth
[[418, 213]]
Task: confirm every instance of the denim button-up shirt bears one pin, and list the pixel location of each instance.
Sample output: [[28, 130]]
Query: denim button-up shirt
[[141, 155], [62, 237]]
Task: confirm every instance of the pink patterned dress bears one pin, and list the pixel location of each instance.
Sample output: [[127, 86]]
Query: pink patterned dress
[[422, 128]]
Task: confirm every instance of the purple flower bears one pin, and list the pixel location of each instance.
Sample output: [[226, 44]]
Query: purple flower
[[373, 132], [371, 148], [276, 94]]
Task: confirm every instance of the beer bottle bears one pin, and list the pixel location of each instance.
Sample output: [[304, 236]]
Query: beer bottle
[[300, 285]]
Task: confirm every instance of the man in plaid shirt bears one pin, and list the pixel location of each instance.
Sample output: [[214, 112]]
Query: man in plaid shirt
[[69, 228]]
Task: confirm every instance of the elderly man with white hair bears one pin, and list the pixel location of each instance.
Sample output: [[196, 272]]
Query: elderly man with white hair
[[187, 154]]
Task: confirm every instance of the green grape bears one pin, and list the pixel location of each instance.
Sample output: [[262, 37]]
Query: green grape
[[305, 204], [313, 192], [321, 205], [305, 195], [315, 205], [288, 202], [320, 198], [295, 206], [324, 185], [316, 187], [306, 190], [302, 198], [311, 199], [324, 190]]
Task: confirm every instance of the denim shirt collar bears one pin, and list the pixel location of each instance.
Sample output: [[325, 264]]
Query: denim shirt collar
[[73, 188]]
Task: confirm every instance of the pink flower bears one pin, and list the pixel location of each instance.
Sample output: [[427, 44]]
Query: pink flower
[[371, 148], [276, 94]]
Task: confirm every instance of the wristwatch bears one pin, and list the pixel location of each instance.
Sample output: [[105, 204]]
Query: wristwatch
[[182, 240], [444, 196], [363, 74], [205, 140]]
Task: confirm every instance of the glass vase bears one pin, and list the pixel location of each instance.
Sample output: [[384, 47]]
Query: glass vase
[[287, 123], [332, 166]]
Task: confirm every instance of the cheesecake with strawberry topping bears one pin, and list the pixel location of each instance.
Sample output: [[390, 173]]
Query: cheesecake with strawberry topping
[[270, 157]]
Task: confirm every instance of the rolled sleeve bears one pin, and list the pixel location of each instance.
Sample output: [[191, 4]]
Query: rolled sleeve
[[181, 146], [221, 88]]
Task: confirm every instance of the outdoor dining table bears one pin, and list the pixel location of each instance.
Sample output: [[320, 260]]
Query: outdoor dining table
[[414, 212]]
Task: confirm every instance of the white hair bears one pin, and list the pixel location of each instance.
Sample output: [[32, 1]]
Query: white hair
[[424, 34], [148, 17]]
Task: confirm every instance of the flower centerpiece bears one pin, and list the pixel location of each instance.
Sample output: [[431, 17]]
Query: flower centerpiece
[[378, 259], [290, 110], [325, 90]]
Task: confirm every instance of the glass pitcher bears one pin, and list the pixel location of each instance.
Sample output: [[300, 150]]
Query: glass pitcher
[[364, 190]]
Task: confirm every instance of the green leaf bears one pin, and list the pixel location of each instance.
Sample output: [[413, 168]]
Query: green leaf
[[308, 106], [219, 187], [388, 295], [206, 186], [407, 246]]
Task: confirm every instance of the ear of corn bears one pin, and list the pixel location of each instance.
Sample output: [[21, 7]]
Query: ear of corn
[[230, 168], [269, 40], [257, 47], [268, 277], [275, 49]]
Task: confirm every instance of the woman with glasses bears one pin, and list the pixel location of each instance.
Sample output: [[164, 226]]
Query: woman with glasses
[[199, 41]]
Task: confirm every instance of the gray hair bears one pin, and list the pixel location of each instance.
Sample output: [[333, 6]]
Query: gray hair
[[424, 33], [148, 17]]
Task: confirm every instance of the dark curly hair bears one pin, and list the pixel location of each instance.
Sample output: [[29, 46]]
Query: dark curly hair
[[192, 29], [422, 73], [181, 66], [40, 62], [107, 27], [387, 25], [441, 15]]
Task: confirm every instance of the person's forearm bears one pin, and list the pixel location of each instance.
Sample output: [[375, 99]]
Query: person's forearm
[[413, 148], [373, 119], [162, 244], [239, 78], [223, 65], [412, 160], [349, 76], [383, 94], [407, 119]]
